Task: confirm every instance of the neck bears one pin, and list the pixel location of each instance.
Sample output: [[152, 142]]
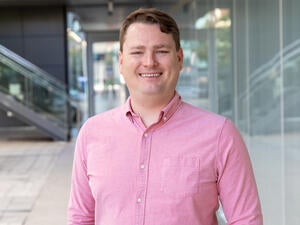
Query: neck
[[149, 107]]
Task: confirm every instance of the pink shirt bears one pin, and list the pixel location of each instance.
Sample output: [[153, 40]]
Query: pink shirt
[[172, 173]]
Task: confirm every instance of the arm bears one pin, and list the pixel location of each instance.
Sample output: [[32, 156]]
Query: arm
[[81, 204], [236, 183]]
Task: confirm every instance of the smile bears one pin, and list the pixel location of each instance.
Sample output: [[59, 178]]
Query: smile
[[150, 74]]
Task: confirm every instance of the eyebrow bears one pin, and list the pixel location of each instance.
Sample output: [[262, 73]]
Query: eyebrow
[[155, 46], [163, 46]]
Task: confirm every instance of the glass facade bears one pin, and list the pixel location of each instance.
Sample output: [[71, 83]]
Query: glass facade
[[109, 87], [77, 71], [243, 61]]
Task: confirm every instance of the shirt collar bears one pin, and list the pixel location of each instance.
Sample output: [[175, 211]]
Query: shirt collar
[[171, 108], [166, 112]]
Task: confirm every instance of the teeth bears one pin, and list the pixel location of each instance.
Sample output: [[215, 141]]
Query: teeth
[[150, 74]]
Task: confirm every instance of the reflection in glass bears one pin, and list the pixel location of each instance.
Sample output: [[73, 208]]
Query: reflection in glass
[[109, 88], [249, 53]]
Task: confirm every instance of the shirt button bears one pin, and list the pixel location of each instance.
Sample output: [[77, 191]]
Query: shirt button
[[142, 166], [145, 135], [164, 118], [139, 200]]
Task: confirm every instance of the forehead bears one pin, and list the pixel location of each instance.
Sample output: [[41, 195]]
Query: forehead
[[147, 34]]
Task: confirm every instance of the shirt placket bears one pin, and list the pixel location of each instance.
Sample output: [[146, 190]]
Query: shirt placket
[[142, 178]]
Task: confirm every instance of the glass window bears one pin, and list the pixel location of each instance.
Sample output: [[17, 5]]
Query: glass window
[[242, 60]]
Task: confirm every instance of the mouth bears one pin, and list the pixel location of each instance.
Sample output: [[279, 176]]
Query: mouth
[[150, 74]]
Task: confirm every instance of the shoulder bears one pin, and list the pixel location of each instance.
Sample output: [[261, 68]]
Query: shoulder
[[203, 116], [207, 121], [98, 123], [106, 116]]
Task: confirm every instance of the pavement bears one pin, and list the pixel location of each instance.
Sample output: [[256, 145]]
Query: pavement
[[34, 181]]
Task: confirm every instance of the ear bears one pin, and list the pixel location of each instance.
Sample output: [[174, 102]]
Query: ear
[[120, 61], [180, 58]]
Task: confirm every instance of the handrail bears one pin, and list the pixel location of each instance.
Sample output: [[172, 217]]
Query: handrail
[[288, 52], [273, 64], [34, 95], [33, 68]]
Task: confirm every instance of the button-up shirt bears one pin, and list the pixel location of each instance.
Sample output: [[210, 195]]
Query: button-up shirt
[[175, 172]]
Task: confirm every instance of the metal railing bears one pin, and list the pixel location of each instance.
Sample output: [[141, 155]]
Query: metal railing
[[25, 87]]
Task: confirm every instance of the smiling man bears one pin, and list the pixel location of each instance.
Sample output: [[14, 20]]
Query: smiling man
[[157, 160], [150, 62]]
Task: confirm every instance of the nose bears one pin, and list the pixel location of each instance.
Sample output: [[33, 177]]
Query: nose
[[149, 59]]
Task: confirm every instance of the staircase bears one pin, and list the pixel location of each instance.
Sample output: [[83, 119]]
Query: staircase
[[33, 96]]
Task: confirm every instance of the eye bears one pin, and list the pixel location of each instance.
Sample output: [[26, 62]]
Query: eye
[[162, 51], [136, 53]]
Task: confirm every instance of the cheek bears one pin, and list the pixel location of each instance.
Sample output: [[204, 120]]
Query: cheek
[[125, 67], [128, 66]]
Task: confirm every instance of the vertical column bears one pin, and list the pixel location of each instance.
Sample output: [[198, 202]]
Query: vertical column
[[90, 75], [282, 128]]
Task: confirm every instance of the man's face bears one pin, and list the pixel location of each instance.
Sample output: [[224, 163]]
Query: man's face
[[150, 63]]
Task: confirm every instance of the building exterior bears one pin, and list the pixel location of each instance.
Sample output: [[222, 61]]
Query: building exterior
[[242, 60]]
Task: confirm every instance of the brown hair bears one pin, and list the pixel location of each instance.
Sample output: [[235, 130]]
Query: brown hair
[[151, 16]]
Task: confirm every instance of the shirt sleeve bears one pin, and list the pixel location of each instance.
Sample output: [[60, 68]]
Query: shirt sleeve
[[81, 207], [236, 183]]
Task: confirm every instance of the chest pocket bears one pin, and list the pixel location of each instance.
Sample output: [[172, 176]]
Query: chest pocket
[[180, 176]]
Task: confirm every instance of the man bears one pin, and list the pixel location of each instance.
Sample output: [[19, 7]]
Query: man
[[157, 160]]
